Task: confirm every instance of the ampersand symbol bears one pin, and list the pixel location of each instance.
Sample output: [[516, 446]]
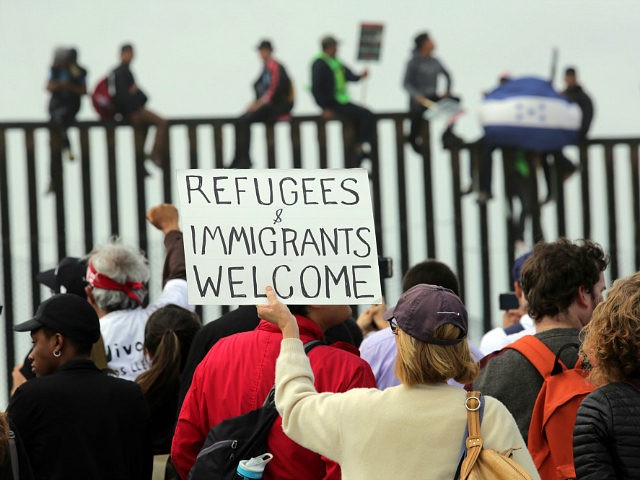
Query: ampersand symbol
[[278, 218]]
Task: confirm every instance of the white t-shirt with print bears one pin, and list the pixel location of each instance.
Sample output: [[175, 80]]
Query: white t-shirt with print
[[123, 331]]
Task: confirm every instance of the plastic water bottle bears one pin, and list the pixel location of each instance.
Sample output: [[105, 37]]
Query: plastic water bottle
[[254, 467]]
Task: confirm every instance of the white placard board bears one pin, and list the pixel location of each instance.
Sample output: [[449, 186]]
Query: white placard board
[[308, 233]]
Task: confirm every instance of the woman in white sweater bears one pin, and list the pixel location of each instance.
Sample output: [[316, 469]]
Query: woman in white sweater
[[413, 430]]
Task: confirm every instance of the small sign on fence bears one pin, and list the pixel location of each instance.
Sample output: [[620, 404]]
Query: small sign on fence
[[308, 233]]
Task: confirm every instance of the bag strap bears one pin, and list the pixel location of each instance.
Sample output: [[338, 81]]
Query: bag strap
[[538, 354], [270, 401], [13, 454], [472, 438]]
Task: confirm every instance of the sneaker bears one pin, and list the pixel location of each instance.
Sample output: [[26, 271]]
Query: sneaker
[[483, 197], [50, 188], [69, 154]]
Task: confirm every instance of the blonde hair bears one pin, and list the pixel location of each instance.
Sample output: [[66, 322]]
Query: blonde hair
[[423, 363], [612, 337]]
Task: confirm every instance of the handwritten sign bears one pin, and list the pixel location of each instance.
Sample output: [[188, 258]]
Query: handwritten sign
[[370, 41], [309, 233]]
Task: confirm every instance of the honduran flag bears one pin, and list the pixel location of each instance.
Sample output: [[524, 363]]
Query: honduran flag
[[528, 113]]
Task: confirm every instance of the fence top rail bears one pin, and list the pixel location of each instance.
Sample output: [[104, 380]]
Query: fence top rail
[[197, 121], [189, 121]]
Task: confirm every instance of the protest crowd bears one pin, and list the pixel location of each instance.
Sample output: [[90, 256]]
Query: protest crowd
[[119, 385]]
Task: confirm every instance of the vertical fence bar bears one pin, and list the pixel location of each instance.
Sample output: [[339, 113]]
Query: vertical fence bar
[[584, 188], [402, 197], [611, 208], [168, 171], [428, 190], [218, 144], [486, 268], [34, 233], [536, 227], [271, 144], [377, 193], [87, 202], [321, 125], [508, 169], [57, 179], [457, 217], [141, 197], [193, 146], [7, 271], [114, 217], [296, 149], [560, 204]]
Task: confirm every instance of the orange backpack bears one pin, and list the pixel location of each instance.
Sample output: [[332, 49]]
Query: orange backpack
[[550, 439]]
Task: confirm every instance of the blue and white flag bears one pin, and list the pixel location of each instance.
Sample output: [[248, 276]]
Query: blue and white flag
[[528, 113]]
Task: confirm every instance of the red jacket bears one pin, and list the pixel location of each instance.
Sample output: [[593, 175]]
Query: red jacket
[[236, 376]]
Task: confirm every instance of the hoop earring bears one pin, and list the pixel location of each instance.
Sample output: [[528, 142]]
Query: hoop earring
[[57, 353]]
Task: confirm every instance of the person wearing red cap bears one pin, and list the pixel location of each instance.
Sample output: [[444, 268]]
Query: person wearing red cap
[[116, 277], [418, 426]]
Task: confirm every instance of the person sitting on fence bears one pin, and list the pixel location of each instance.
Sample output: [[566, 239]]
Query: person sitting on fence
[[606, 436], [67, 84], [274, 101], [329, 77], [421, 82], [419, 425], [130, 101], [76, 421], [117, 277]]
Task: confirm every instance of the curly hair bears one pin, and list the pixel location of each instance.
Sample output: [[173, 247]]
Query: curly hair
[[423, 363], [551, 276], [612, 337]]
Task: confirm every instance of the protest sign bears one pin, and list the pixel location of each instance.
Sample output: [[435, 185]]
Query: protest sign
[[308, 233], [370, 42]]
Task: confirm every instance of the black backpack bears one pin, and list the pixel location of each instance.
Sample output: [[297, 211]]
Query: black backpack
[[237, 438]]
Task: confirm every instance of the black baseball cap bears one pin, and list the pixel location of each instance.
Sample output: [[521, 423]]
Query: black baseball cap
[[66, 314], [67, 277]]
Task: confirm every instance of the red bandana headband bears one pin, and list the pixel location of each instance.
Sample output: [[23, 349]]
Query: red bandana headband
[[100, 280]]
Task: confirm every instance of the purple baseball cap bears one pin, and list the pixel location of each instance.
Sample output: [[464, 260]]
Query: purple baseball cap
[[423, 308]]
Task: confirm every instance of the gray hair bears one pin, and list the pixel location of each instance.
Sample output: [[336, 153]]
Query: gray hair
[[121, 263]]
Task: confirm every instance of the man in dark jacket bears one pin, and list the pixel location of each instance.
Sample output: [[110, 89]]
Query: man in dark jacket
[[329, 77], [574, 92], [274, 100], [76, 422], [130, 101]]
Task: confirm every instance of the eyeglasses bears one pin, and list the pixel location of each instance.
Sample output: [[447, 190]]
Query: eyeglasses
[[394, 325]]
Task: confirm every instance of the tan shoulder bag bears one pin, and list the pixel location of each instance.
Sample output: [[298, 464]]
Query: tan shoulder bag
[[478, 463]]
